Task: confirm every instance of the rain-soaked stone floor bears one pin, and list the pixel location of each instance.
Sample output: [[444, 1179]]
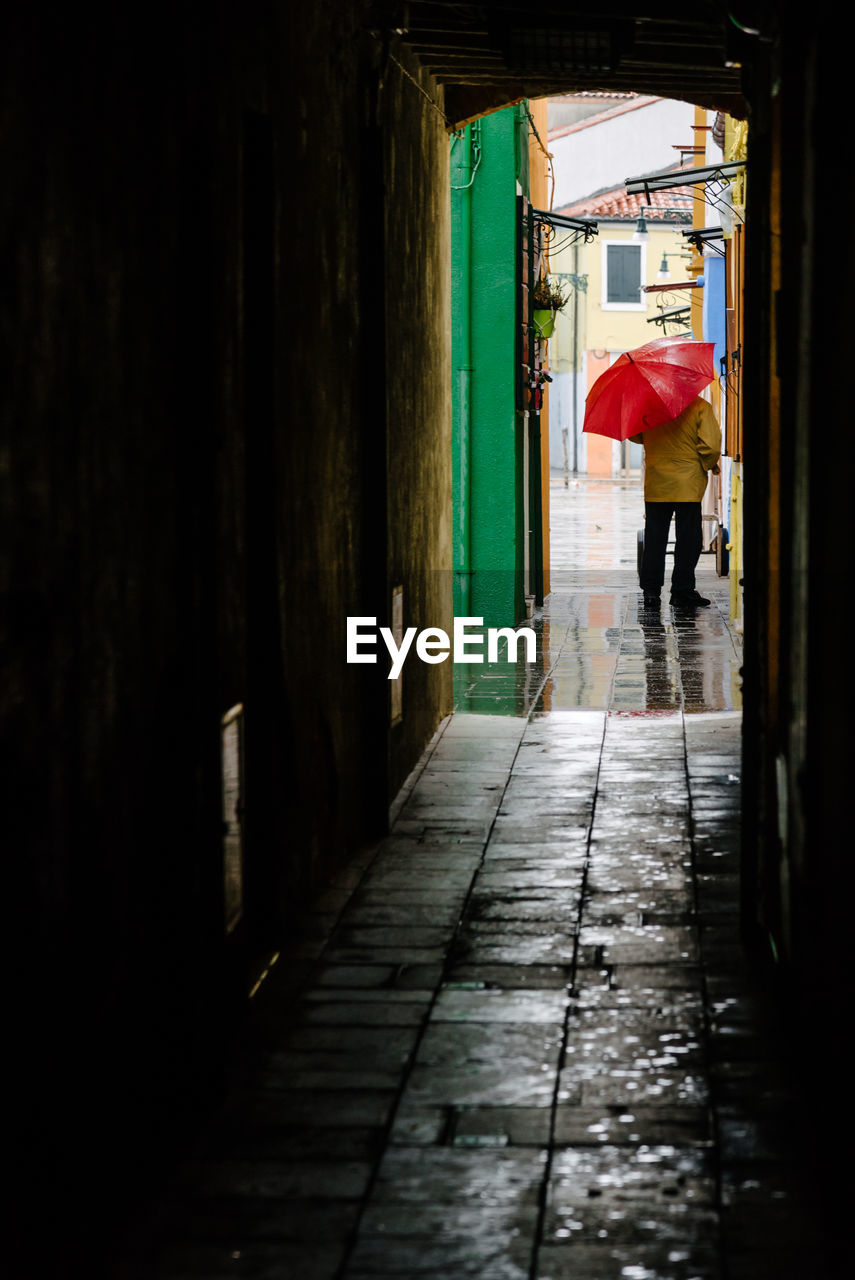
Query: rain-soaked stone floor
[[519, 1039]]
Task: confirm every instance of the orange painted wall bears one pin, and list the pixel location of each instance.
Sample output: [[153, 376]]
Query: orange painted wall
[[599, 447]]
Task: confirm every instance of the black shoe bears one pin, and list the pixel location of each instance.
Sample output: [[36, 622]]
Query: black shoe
[[651, 602], [687, 599]]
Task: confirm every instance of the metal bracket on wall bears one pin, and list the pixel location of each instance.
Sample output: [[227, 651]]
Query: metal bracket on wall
[[703, 239], [571, 279], [585, 228], [671, 315]]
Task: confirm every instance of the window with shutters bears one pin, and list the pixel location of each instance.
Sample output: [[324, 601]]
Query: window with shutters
[[623, 276]]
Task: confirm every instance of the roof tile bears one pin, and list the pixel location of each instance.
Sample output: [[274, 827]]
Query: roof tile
[[617, 204]]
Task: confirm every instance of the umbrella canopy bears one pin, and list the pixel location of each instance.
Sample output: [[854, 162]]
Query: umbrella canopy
[[648, 386]]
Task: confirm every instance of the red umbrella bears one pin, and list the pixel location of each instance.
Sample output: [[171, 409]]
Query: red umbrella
[[648, 386]]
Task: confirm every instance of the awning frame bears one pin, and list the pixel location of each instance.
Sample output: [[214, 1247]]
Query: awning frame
[[724, 172]]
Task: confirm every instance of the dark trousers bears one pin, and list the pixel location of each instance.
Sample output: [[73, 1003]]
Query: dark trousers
[[687, 549]]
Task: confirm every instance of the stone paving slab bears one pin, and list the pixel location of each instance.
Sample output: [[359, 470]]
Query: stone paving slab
[[628, 1262], [515, 876], [509, 930], [377, 976], [458, 1180], [628, 989], [485, 1064], [523, 1126], [511, 976], [260, 1259], [571, 851], [607, 875], [657, 976], [371, 1044], [676, 1231], [379, 955], [399, 937], [665, 1034], [636, 1127], [486, 907], [640, 944], [501, 1255], [646, 905], [554, 948], [492, 1005], [319, 1071], [420, 1124], [661, 1176], [629, 1087], [411, 908], [447, 1240]]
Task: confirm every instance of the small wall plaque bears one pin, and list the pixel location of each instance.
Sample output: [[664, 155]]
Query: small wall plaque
[[396, 703], [231, 758]]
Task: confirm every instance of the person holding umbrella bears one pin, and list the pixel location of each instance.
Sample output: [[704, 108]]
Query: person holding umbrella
[[650, 396]]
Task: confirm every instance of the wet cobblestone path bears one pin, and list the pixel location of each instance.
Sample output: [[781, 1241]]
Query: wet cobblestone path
[[519, 1040]]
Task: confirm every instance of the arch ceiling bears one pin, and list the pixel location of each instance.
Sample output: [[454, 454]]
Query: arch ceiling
[[488, 55]]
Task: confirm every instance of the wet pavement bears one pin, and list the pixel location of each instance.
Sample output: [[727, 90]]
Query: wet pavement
[[597, 646], [519, 1039]]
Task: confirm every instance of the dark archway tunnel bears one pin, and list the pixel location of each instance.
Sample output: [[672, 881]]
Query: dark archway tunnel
[[226, 429]]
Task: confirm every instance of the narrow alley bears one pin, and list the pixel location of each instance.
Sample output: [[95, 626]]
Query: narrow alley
[[518, 1038], [280, 285]]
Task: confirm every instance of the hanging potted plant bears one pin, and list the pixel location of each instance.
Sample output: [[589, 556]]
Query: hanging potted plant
[[547, 299]]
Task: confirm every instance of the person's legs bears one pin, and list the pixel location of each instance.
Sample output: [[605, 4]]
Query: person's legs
[[656, 525], [687, 550]]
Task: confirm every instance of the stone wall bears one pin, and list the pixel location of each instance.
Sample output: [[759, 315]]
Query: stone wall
[[205, 476]]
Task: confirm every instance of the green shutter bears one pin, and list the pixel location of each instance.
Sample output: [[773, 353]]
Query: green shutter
[[624, 273]]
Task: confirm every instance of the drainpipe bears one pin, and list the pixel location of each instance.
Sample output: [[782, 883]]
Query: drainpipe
[[575, 375], [463, 529]]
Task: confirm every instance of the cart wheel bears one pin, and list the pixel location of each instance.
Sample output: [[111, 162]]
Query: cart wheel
[[722, 555], [640, 550]]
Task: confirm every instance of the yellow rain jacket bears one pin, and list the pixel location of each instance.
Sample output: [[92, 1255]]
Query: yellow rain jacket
[[678, 455]]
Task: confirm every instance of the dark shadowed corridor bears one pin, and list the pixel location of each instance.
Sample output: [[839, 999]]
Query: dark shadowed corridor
[[519, 1038], [548, 1020]]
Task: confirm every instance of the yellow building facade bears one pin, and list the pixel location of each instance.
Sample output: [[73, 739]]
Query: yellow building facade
[[609, 312]]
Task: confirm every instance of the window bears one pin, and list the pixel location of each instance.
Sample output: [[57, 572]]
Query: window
[[623, 276], [624, 272]]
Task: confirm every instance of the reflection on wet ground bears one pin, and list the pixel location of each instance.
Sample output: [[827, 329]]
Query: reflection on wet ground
[[517, 1039], [597, 646]]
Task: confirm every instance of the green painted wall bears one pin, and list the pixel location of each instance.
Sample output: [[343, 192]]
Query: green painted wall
[[486, 164]]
